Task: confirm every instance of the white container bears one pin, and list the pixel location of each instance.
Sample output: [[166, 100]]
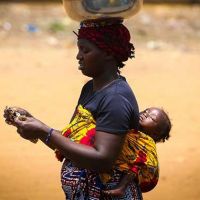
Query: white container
[[80, 10]]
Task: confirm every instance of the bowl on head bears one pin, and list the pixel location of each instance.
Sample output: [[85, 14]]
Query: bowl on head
[[80, 10]]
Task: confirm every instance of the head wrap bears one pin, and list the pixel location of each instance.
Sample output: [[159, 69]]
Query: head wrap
[[109, 35]]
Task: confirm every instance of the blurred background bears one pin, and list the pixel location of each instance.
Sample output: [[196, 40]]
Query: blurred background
[[39, 72]]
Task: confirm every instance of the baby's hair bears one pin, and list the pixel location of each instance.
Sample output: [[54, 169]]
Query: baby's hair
[[166, 128]]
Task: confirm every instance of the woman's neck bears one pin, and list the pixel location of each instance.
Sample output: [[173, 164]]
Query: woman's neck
[[104, 80]]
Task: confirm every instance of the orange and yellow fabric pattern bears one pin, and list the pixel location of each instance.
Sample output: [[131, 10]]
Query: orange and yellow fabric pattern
[[138, 154]]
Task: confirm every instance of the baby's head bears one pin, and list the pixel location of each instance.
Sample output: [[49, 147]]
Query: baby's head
[[155, 123]]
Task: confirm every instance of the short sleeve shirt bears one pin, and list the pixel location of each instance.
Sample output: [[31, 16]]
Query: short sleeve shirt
[[114, 107]]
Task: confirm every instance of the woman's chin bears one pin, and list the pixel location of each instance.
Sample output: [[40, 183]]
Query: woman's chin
[[80, 67]]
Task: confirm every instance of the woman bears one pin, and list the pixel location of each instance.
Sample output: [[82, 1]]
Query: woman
[[106, 110]]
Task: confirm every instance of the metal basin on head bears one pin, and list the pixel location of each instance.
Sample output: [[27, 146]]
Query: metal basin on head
[[91, 9]]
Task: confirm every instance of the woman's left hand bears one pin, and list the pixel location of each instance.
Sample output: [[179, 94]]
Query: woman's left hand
[[30, 128]]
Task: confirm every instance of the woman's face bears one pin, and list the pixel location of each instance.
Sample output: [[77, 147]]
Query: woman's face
[[151, 121], [91, 58]]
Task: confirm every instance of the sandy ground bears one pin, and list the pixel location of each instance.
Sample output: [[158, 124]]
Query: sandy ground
[[39, 72]]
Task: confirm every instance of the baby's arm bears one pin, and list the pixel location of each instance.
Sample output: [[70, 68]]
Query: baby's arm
[[120, 189]]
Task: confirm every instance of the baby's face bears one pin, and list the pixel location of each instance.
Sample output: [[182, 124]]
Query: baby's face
[[151, 121]]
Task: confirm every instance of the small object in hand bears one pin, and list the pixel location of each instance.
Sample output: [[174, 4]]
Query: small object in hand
[[12, 114]]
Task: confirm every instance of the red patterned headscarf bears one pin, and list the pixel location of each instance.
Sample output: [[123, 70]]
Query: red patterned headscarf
[[109, 35]]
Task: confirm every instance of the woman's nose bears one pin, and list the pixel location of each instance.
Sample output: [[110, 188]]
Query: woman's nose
[[79, 56]]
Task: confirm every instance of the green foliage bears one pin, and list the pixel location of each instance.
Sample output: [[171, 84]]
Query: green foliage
[[57, 26]]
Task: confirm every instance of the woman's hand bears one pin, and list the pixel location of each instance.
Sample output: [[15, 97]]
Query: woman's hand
[[27, 126], [30, 128], [11, 112]]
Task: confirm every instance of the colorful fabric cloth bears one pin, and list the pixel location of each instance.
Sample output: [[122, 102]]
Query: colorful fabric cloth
[[138, 153], [83, 184], [80, 184], [132, 192], [80, 130]]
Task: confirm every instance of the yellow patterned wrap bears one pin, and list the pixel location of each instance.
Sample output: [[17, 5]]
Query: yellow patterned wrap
[[138, 154], [82, 123]]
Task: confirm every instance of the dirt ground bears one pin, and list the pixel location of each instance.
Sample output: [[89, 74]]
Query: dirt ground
[[39, 72]]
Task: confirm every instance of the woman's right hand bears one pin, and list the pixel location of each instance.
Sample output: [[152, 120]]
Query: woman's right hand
[[9, 119], [27, 126]]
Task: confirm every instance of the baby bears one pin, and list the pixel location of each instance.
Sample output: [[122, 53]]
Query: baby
[[155, 123]]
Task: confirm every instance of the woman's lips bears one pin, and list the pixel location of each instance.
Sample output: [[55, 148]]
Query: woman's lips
[[80, 66]]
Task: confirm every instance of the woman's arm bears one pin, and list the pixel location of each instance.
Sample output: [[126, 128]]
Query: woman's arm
[[99, 157]]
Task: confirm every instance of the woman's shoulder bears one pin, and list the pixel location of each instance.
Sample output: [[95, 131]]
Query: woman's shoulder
[[120, 88], [119, 96]]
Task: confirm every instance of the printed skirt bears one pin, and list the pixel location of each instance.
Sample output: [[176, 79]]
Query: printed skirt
[[82, 184]]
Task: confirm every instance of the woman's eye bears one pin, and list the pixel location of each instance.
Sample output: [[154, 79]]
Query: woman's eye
[[85, 51]]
